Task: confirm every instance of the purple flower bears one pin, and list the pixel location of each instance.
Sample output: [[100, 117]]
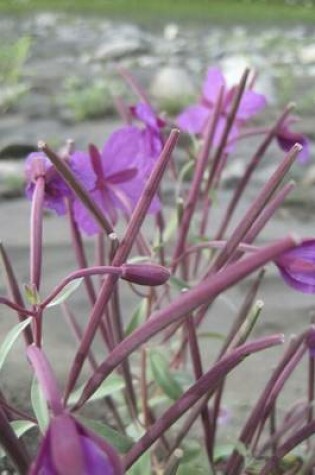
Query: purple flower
[[151, 135], [194, 118], [286, 139], [68, 448], [56, 190], [297, 266], [119, 176]]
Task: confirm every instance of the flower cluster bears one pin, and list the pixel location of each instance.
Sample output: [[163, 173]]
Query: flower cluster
[[114, 176]]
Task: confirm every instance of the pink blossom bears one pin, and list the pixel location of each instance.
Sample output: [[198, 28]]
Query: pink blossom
[[119, 176], [194, 118]]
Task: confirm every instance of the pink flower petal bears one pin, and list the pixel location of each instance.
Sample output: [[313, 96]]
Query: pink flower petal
[[212, 85], [251, 104], [193, 119], [297, 267]]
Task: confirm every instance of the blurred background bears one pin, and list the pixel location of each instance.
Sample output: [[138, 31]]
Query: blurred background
[[59, 58]]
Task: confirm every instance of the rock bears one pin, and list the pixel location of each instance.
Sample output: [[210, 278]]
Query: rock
[[16, 150], [309, 178], [233, 172], [234, 66], [171, 31], [121, 48], [172, 83], [307, 54]]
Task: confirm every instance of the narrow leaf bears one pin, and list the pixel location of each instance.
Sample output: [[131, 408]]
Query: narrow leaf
[[11, 338], [39, 406], [121, 442], [111, 385], [22, 426], [137, 318], [142, 466], [65, 293], [178, 283], [162, 375]]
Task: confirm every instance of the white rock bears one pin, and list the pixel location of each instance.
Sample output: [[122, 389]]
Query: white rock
[[233, 67], [307, 54], [172, 82], [171, 31], [121, 48]]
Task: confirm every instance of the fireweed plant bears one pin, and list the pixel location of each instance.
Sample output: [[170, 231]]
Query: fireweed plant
[[147, 404]]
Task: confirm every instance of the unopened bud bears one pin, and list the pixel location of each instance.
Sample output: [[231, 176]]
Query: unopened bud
[[145, 274]]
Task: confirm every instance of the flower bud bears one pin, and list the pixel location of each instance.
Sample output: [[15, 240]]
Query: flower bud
[[68, 448], [145, 274]]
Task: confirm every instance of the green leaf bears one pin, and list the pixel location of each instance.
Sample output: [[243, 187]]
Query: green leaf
[[111, 385], [65, 293], [137, 318], [11, 338], [222, 452], [168, 232], [171, 227], [178, 283], [212, 335], [137, 259], [142, 466], [39, 406], [163, 376], [121, 442], [192, 450], [22, 426], [31, 294]]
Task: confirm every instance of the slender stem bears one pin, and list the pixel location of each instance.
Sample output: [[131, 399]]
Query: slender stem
[[201, 163], [121, 255], [20, 310], [78, 335], [256, 207], [257, 157], [79, 252], [81, 273], [180, 307], [13, 410], [207, 383], [144, 388], [234, 332], [63, 168], [15, 292], [130, 393], [12, 445], [311, 381], [220, 151], [235, 461], [299, 436]]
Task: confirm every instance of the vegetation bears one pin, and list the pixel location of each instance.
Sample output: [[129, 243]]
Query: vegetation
[[207, 10]]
